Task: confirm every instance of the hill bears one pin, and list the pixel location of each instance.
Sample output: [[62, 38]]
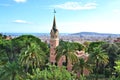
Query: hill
[[95, 34]]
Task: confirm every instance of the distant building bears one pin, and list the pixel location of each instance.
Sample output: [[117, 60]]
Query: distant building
[[117, 40], [8, 37]]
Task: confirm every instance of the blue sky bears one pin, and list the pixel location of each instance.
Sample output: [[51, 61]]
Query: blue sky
[[72, 16]]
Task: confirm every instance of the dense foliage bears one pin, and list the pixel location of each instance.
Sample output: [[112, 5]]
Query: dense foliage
[[27, 58]]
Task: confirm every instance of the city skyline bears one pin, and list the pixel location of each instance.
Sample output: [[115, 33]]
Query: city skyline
[[72, 16]]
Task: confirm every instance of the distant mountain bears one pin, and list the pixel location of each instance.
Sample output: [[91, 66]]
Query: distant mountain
[[82, 34]]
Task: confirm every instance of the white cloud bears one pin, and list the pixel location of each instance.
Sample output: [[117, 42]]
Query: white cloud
[[76, 6], [20, 1], [22, 22]]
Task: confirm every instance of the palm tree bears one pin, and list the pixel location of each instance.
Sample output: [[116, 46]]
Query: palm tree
[[66, 49], [117, 67], [11, 71], [80, 66], [98, 56], [78, 46], [8, 52], [32, 57], [112, 50]]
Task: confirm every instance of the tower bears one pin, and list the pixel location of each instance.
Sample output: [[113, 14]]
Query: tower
[[54, 41]]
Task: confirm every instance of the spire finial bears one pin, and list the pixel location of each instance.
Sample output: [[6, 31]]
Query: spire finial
[[54, 11]]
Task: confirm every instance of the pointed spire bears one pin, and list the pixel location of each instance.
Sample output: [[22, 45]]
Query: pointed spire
[[54, 31], [54, 23]]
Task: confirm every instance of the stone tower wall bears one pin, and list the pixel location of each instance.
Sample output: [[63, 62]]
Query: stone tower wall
[[53, 44]]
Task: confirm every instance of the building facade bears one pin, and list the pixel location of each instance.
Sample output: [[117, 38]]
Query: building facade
[[54, 42]]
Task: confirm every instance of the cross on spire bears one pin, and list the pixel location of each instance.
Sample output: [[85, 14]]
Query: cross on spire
[[54, 11]]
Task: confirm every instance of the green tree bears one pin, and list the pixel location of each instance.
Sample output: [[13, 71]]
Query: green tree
[[51, 73], [98, 57], [86, 45], [11, 71], [112, 51], [32, 57], [16, 50], [7, 49], [80, 66], [117, 68], [0, 34], [66, 49], [78, 46], [23, 41], [92, 45]]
